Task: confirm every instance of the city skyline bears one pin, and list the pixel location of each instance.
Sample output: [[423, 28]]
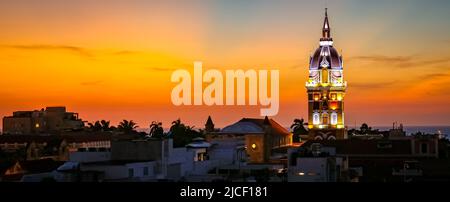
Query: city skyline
[[113, 61]]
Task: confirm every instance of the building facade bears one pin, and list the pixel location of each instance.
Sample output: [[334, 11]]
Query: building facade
[[259, 137], [52, 119], [316, 164], [326, 90]]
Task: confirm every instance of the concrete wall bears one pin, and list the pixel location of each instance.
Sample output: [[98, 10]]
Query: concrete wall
[[17, 125], [138, 170], [136, 150], [179, 160], [121, 172], [258, 153], [308, 170], [85, 157], [203, 167]]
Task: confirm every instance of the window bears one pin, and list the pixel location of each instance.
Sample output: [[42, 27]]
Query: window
[[130, 172], [316, 106], [325, 105], [334, 105], [424, 148], [324, 75], [325, 118], [316, 119], [333, 96], [316, 97], [145, 171], [334, 118]]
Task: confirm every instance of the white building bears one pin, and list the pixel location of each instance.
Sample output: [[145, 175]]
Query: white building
[[316, 164], [141, 160]]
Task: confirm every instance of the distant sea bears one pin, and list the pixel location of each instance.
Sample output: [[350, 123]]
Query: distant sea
[[424, 129], [409, 129]]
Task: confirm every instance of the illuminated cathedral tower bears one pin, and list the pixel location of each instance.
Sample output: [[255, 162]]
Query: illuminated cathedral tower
[[326, 90]]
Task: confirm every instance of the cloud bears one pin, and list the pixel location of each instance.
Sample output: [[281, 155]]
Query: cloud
[[372, 85], [432, 76], [91, 83], [381, 58], [73, 49], [401, 61]]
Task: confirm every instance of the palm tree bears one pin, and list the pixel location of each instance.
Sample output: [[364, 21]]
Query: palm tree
[[105, 125], [96, 126], [156, 130], [127, 126], [298, 129], [100, 126], [176, 125], [182, 134]]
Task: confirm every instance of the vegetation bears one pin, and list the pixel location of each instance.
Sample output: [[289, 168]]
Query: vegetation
[[127, 127], [298, 129], [182, 134], [101, 126], [156, 130], [365, 129]]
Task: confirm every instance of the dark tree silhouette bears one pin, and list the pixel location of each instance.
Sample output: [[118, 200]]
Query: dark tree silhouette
[[96, 126], [100, 126], [105, 125], [127, 126], [156, 130], [365, 129], [298, 129], [182, 134]]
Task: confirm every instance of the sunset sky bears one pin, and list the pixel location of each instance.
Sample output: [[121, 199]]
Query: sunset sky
[[113, 60]]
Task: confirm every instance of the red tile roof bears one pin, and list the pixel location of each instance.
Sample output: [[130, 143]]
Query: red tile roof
[[277, 128]]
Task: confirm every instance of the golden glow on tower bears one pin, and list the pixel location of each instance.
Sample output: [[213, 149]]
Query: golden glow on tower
[[326, 89]]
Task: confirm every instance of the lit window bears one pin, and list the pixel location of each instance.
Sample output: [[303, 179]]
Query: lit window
[[37, 125], [253, 146], [316, 97], [325, 118], [301, 174], [316, 119], [333, 105], [333, 96], [334, 118], [324, 75], [339, 97]]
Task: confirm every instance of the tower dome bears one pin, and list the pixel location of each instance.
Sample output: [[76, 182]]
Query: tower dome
[[326, 56]]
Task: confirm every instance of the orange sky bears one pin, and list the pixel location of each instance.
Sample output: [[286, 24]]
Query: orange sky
[[113, 59]]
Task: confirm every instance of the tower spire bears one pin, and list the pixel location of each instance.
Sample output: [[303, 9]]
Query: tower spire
[[326, 27]]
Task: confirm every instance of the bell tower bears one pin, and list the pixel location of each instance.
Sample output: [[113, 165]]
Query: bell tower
[[326, 90]]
